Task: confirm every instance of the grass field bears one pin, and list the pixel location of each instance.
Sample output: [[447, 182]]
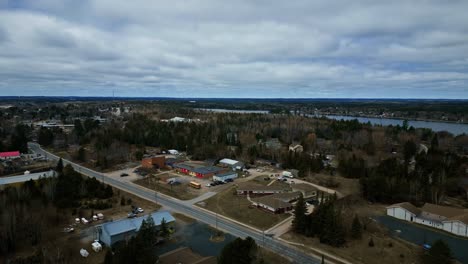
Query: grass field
[[237, 207]]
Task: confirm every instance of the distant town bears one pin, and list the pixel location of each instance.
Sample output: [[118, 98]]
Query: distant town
[[95, 179]]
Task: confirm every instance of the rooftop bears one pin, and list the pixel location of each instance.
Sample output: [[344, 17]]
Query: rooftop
[[126, 225], [9, 154], [185, 255], [229, 161], [271, 201]]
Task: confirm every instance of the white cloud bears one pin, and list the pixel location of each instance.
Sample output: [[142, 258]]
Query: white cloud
[[216, 48]]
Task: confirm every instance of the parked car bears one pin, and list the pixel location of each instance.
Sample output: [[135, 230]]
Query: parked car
[[140, 210], [229, 180], [123, 175], [131, 215], [220, 182], [208, 185], [266, 178]]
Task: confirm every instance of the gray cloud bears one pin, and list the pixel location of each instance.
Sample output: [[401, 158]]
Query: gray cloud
[[240, 48]]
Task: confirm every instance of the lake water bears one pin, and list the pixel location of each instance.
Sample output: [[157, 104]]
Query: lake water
[[456, 129], [196, 236]]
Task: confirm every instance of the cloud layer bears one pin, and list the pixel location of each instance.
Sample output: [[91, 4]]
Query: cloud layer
[[395, 49]]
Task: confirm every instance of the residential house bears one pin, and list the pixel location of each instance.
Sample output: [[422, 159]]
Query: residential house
[[296, 148]]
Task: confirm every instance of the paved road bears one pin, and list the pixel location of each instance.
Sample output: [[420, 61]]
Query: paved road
[[23, 178], [235, 229]]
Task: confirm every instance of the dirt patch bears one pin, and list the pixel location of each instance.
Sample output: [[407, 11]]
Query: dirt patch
[[386, 250], [180, 191], [343, 185]]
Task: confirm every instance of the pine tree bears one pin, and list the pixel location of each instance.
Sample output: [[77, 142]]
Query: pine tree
[[300, 219], [439, 253], [59, 167], [164, 230], [356, 228]]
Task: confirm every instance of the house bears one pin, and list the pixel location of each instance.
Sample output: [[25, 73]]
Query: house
[[245, 188], [112, 232], [296, 148], [308, 191], [154, 162], [277, 203], [234, 164], [9, 155], [185, 255], [225, 176], [197, 170], [450, 219], [173, 152]]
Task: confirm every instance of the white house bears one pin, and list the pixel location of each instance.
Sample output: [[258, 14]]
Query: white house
[[173, 152], [452, 220]]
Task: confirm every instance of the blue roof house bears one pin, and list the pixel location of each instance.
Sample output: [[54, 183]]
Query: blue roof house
[[112, 232]]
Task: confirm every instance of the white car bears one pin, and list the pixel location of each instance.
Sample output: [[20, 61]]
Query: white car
[[140, 210], [208, 185]]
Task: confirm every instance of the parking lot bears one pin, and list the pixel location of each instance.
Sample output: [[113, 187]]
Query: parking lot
[[420, 235]]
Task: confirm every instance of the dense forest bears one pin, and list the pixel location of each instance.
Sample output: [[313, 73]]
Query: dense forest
[[31, 212]]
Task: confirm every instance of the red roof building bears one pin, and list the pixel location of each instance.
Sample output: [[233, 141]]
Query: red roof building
[[9, 155]]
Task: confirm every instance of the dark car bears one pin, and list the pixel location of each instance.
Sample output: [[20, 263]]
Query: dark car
[[123, 175], [266, 178], [229, 180], [220, 182], [214, 183]]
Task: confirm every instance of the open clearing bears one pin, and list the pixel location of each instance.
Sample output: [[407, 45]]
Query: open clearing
[[237, 207], [180, 191]]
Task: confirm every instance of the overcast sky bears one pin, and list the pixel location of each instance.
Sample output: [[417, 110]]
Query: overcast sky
[[256, 48]]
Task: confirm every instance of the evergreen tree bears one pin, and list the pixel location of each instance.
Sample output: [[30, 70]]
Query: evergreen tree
[[356, 228], [59, 167], [164, 230], [439, 253], [239, 251], [300, 219]]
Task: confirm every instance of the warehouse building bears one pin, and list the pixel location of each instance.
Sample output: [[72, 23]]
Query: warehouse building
[[225, 176], [197, 170], [123, 229]]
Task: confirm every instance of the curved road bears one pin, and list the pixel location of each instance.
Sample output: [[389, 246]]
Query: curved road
[[177, 205]]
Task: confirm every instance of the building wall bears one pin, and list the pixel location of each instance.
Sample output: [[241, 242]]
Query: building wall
[[154, 161], [430, 223], [223, 178], [456, 227], [401, 213]]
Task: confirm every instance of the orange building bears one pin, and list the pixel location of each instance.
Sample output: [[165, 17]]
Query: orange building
[[154, 162]]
